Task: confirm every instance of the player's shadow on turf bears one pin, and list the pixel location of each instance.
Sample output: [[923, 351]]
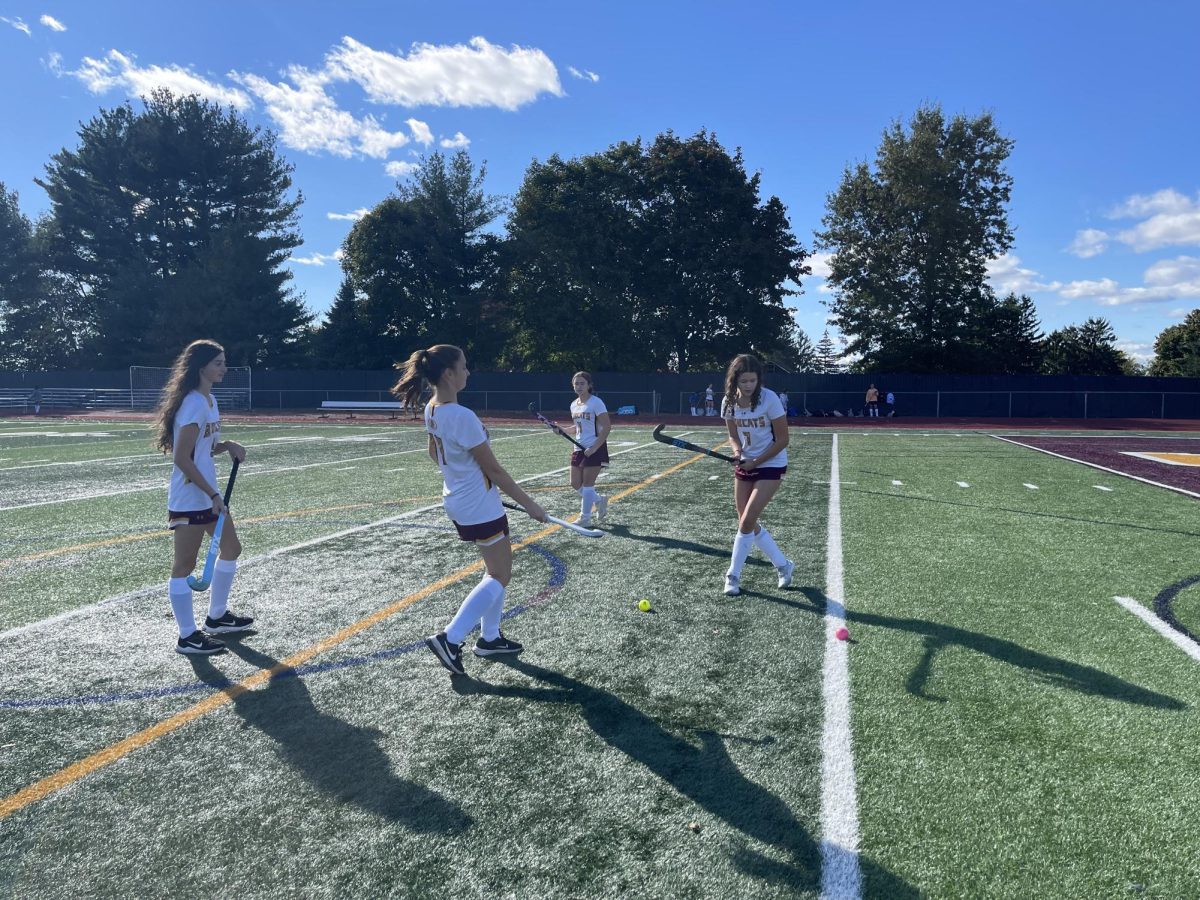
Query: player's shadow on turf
[[622, 531], [341, 760], [704, 774], [1051, 669]]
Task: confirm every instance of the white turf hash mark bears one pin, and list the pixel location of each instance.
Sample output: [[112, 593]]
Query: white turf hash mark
[[1032, 487], [1101, 487], [841, 876], [1191, 648], [962, 484], [896, 483]]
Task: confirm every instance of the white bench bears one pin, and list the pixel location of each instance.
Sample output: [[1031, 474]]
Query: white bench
[[353, 406]]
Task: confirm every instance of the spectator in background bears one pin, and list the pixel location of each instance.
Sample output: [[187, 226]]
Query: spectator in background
[[709, 408], [783, 399], [36, 399], [891, 404], [694, 403], [873, 401]]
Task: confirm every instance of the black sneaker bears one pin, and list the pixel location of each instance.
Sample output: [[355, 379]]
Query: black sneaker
[[448, 654], [198, 644], [227, 624], [484, 647]]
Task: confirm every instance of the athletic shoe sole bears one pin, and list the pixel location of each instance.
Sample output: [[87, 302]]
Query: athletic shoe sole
[[227, 629], [199, 651], [444, 658], [497, 651]]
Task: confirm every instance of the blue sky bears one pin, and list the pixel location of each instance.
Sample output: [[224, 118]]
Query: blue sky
[[1100, 97]]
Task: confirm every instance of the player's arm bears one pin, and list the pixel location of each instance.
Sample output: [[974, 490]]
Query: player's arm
[[780, 436], [233, 448], [498, 476], [735, 441], [603, 429], [185, 446]]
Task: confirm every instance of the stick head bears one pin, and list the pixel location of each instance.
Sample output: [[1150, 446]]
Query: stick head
[[657, 431]]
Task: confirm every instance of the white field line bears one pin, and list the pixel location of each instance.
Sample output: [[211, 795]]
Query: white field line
[[1081, 462], [1032, 487], [83, 462], [962, 484], [841, 876], [1158, 458], [896, 483], [245, 474], [1191, 648], [1101, 487], [271, 554]]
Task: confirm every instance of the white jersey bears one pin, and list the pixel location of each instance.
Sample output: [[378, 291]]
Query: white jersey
[[586, 416], [754, 428], [468, 496], [196, 409]]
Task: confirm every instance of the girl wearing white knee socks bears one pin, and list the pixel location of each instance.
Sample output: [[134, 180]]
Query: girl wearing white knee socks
[[458, 445], [188, 426], [592, 426], [758, 433]]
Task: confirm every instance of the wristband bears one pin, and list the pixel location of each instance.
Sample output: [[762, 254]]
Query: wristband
[[214, 495]]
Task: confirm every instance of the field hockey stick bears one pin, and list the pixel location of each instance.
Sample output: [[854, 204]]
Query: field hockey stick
[[555, 428], [586, 532], [688, 445], [210, 561]]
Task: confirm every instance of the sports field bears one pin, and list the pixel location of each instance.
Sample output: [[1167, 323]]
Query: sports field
[[1020, 721]]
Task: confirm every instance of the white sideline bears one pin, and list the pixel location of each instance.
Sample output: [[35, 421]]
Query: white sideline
[[1083, 462], [841, 876], [1191, 648], [158, 486], [270, 554]]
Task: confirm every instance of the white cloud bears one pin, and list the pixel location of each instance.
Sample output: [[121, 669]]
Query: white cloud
[[1089, 242], [819, 263], [585, 75], [420, 131], [319, 259], [348, 217], [17, 23], [459, 140], [1169, 219], [52, 23], [398, 168], [309, 119], [1164, 281], [1007, 276], [1143, 353], [478, 74], [116, 70], [1178, 313], [1138, 205]]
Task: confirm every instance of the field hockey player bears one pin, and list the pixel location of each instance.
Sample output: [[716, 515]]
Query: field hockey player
[[592, 426], [188, 425], [473, 478], [758, 433]]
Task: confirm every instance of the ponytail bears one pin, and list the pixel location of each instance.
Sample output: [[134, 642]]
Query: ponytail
[[421, 368]]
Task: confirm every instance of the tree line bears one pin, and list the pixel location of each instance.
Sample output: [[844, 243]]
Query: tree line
[[660, 255]]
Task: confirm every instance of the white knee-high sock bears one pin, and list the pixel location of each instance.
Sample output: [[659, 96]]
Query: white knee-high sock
[[478, 602], [490, 627], [742, 544], [218, 600], [767, 545], [181, 605], [589, 498]]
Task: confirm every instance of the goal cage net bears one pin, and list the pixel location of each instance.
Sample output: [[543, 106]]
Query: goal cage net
[[146, 385]]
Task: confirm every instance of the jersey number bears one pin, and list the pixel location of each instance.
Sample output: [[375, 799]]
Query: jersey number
[[439, 449]]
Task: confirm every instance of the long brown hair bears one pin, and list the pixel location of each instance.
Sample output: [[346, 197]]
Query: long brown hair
[[424, 366], [185, 377], [740, 365]]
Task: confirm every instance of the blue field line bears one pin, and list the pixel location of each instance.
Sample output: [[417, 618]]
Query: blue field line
[[558, 577]]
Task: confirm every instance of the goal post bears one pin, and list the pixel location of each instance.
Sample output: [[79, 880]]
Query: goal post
[[146, 385]]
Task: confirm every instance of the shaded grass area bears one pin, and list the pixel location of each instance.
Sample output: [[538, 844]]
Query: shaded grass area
[[574, 771], [1016, 731]]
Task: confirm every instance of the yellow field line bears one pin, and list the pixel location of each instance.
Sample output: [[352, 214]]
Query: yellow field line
[[100, 759]]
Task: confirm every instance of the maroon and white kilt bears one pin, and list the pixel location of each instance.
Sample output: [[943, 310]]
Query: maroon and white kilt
[[766, 473], [598, 458]]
